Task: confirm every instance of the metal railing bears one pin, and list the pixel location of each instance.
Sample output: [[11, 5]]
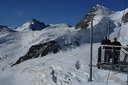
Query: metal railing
[[113, 55]]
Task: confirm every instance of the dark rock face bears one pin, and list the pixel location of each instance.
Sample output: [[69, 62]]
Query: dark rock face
[[3, 26], [32, 25], [39, 50], [125, 18], [36, 25], [84, 23]]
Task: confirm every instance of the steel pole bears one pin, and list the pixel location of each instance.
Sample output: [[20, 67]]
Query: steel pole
[[127, 77], [91, 46], [108, 29]]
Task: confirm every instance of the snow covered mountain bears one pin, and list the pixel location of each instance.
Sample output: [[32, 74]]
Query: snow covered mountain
[[97, 13], [69, 66], [4, 29], [105, 22], [31, 25]]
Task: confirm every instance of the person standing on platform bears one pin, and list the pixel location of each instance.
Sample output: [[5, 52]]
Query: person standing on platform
[[107, 52], [116, 52]]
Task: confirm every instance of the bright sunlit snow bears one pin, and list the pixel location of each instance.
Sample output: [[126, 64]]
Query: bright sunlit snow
[[70, 66]]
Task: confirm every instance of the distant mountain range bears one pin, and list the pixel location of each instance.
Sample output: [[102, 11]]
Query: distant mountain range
[[34, 32], [35, 39]]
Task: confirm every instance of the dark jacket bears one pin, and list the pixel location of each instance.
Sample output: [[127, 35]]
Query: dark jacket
[[116, 43], [106, 42]]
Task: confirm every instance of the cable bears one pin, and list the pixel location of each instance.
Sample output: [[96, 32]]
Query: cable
[[108, 77]]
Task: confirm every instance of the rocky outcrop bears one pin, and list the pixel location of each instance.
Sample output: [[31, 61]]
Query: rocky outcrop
[[125, 18], [36, 25], [84, 23], [39, 50], [3, 26], [98, 11]]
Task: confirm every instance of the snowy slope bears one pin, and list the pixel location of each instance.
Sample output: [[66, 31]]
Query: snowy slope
[[17, 44], [70, 65], [64, 68], [121, 28]]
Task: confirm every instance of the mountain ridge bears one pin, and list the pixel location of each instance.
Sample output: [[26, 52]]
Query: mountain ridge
[[32, 25], [69, 66]]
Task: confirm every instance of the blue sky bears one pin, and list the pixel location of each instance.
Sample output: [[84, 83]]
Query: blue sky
[[16, 12]]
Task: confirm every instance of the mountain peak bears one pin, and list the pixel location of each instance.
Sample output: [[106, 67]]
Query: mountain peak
[[32, 25], [103, 9], [98, 10], [35, 20], [100, 6]]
